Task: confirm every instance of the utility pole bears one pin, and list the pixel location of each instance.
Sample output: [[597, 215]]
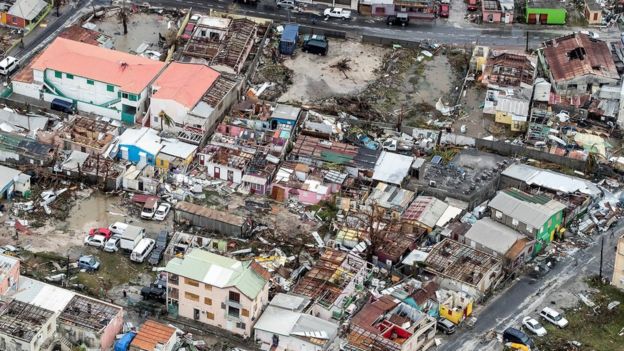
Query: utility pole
[[527, 42], [601, 250]]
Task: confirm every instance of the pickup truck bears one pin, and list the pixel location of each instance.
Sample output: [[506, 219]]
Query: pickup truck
[[337, 13]]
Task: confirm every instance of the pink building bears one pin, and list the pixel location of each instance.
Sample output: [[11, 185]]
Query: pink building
[[310, 188], [9, 274], [217, 290], [496, 11]]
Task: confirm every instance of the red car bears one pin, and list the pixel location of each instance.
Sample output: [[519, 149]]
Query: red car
[[443, 10], [188, 31], [472, 5], [101, 231]]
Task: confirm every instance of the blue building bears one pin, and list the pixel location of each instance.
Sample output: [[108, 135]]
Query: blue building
[[288, 41], [139, 146], [284, 114]]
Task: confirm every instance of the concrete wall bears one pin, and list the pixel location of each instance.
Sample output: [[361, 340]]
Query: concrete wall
[[618, 266], [174, 109], [380, 40], [31, 90], [507, 149], [237, 174], [11, 279], [286, 343]]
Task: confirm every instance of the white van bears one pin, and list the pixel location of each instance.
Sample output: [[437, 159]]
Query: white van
[[118, 227], [8, 65], [142, 250]]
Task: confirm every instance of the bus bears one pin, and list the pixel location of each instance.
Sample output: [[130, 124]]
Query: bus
[[142, 250]]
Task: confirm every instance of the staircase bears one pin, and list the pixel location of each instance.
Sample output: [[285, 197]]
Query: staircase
[[52, 88]]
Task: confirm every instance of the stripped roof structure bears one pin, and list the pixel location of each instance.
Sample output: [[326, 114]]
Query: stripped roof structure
[[84, 35], [232, 51], [509, 70], [89, 313], [578, 54], [460, 262], [220, 216], [89, 132], [315, 149], [425, 210], [152, 334], [22, 320], [130, 73]]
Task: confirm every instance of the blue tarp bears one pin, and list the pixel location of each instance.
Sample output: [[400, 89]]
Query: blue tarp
[[123, 344], [288, 42]]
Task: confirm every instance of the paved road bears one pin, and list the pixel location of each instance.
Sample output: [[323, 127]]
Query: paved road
[[527, 294], [439, 30]]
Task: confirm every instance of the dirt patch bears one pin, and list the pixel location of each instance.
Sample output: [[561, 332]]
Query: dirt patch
[[314, 78], [142, 28]]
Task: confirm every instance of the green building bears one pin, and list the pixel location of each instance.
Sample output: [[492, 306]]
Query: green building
[[537, 216], [545, 12]]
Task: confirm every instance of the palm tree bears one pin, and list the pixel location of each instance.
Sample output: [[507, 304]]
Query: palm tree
[[165, 119]]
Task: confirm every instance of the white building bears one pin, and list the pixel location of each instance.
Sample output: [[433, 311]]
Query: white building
[[96, 80], [284, 326]]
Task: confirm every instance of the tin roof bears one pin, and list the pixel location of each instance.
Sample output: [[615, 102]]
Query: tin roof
[[210, 213], [493, 235], [151, 334]]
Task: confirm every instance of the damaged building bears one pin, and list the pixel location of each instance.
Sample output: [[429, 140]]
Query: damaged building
[[25, 327], [85, 134], [212, 220]]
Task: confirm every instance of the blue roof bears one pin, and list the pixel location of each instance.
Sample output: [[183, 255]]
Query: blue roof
[[290, 32], [124, 343]]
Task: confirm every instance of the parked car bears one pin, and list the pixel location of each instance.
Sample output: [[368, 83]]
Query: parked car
[[590, 34], [188, 31], [472, 5], [337, 12], [533, 326], [316, 46], [446, 326], [112, 245], [162, 211], [118, 227], [159, 250], [95, 240], [516, 336], [150, 207], [554, 317], [8, 65], [400, 19], [88, 262], [156, 291], [101, 231], [287, 4], [443, 10]]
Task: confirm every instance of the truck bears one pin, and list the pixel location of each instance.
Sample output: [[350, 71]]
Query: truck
[[337, 12], [131, 237]]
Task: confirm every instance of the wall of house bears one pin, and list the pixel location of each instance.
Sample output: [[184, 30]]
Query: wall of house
[[618, 266], [45, 333], [593, 17], [581, 85], [174, 109], [214, 306], [15, 21], [82, 89], [114, 327], [133, 154], [554, 16], [11, 279], [31, 90], [286, 343], [225, 173], [98, 110], [492, 16]]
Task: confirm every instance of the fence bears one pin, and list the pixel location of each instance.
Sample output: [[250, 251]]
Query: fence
[[379, 40]]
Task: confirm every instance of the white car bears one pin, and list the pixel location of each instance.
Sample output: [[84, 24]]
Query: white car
[[112, 245], [95, 240], [533, 326], [554, 317], [337, 12], [592, 35], [118, 227], [162, 211]]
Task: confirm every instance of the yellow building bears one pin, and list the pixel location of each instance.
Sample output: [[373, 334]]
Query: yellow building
[[453, 305], [175, 154], [508, 110]]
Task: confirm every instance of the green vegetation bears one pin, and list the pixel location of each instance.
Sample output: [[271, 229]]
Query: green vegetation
[[115, 269], [594, 330]]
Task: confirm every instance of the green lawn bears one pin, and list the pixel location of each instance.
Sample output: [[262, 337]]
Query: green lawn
[[595, 331]]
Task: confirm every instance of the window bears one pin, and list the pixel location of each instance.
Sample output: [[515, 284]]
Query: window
[[499, 214], [69, 76], [233, 312], [173, 278], [208, 301], [195, 314], [245, 313], [132, 97], [110, 88], [514, 222], [208, 287], [191, 296], [240, 325], [234, 297], [210, 315], [90, 82], [191, 282], [58, 74], [124, 95]]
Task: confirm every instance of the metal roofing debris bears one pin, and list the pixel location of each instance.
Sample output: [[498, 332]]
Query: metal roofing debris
[[206, 212], [391, 196], [219, 271], [426, 210], [392, 168], [493, 235]]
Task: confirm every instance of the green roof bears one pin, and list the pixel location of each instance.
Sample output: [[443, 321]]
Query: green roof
[[521, 195], [218, 271]]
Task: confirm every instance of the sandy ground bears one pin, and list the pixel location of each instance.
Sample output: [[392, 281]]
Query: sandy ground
[[476, 125], [435, 82], [142, 28], [314, 79]]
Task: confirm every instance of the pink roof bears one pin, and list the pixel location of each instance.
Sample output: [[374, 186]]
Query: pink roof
[[185, 83], [130, 73]]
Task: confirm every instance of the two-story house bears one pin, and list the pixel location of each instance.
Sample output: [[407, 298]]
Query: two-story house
[[95, 80], [537, 216], [218, 291]]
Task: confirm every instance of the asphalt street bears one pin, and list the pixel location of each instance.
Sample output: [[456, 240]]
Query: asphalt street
[[528, 294]]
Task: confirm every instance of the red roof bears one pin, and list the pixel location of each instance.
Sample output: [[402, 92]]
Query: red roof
[[151, 334], [185, 83], [130, 73]]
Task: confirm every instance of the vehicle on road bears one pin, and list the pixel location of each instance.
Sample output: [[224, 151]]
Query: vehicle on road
[[337, 12], [400, 19], [150, 207], [532, 325], [446, 326], [8, 65], [89, 263], [101, 231], [553, 317], [443, 10], [316, 45], [287, 4], [142, 250], [95, 240], [112, 245], [590, 34], [162, 211], [514, 335]]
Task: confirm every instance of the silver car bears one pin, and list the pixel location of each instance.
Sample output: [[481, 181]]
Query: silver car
[[112, 245]]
